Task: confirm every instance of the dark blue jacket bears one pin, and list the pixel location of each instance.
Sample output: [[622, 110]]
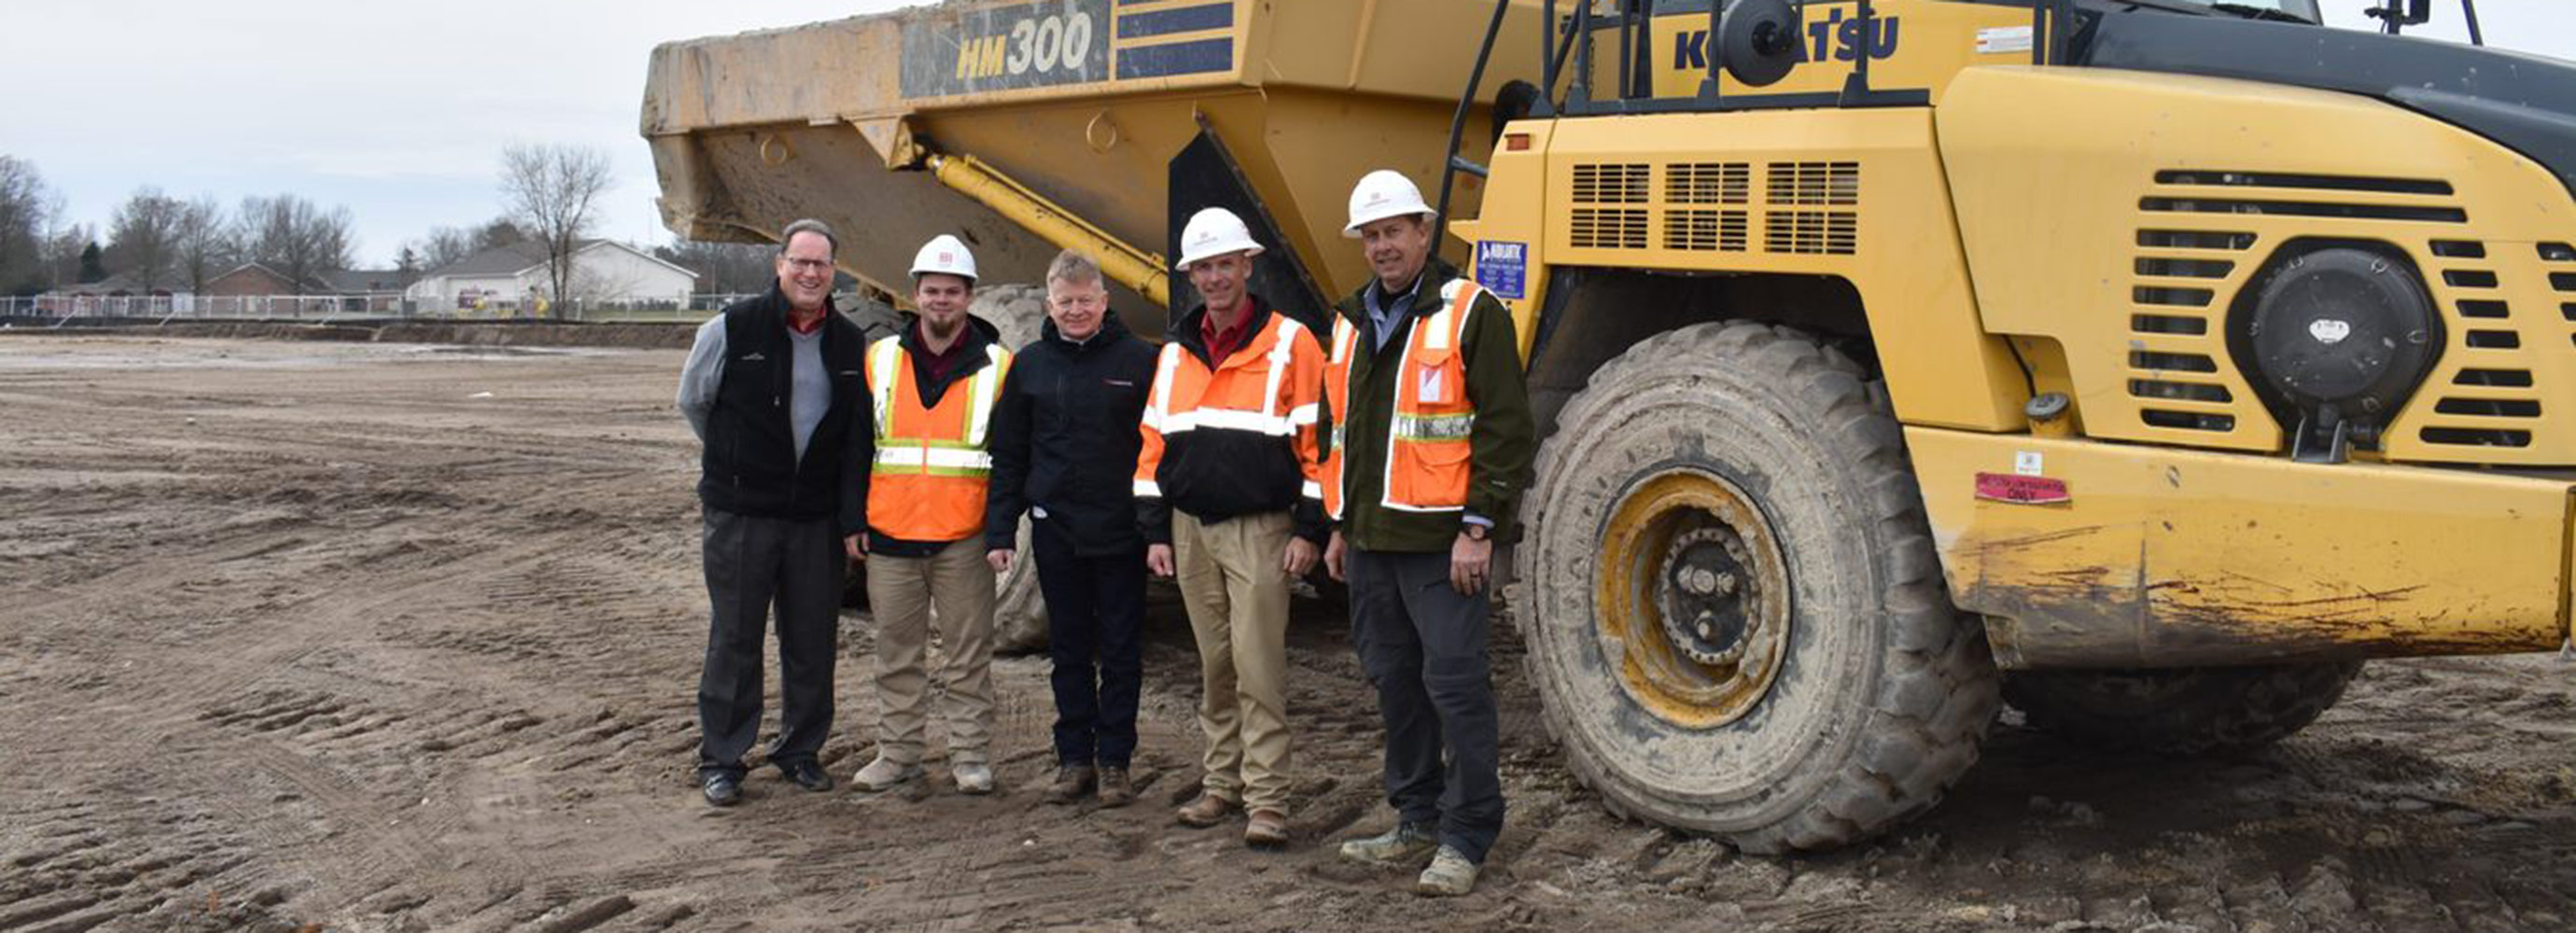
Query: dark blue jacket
[[1065, 439]]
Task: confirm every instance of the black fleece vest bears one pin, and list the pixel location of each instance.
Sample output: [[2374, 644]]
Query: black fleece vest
[[750, 465]]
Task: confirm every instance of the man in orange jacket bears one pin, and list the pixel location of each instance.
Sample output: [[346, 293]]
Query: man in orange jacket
[[1226, 491]]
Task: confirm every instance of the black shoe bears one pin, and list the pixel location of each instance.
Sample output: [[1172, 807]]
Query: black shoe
[[807, 774], [722, 790]]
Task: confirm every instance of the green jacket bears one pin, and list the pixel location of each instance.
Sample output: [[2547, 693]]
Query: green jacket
[[1503, 440]]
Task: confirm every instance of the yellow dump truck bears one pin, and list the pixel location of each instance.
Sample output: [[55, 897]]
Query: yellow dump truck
[[2146, 364]]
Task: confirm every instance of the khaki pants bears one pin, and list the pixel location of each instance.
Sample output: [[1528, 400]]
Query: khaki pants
[[901, 594], [1238, 603]]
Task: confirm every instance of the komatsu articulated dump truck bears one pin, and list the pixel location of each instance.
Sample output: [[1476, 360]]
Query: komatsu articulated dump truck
[[2146, 364]]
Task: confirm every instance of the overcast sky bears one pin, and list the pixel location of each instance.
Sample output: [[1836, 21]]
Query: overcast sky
[[399, 110]]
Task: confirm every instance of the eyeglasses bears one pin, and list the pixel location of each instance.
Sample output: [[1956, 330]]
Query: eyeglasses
[[810, 265]]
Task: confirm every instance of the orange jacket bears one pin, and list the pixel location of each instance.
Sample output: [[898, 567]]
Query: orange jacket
[[1234, 436]]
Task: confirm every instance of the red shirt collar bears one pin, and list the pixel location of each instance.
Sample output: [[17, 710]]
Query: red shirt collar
[[1222, 344]]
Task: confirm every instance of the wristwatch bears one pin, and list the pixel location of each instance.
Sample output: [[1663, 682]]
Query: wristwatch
[[1473, 531]]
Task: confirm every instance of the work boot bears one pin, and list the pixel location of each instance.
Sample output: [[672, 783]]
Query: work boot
[[1072, 783], [1115, 790], [1266, 829], [1402, 847], [721, 790], [885, 774], [973, 778], [1205, 810], [807, 774], [1450, 875]]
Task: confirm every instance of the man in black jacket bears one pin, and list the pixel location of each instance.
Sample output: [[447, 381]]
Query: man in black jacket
[[1064, 445], [769, 388]]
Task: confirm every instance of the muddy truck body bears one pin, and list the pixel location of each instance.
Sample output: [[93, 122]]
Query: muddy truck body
[[2149, 365]]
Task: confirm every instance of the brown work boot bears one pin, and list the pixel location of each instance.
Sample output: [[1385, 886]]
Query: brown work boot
[[1072, 783], [1268, 828], [1115, 790], [1205, 810]]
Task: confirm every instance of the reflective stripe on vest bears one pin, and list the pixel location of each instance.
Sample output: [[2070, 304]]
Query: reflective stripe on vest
[[1266, 420], [927, 482], [1337, 387]]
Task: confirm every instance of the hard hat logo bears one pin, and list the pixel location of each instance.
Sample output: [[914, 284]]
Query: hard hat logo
[[1215, 232], [945, 255], [1382, 194]]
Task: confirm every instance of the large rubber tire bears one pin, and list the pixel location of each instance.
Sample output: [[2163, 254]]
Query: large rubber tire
[[1019, 611], [2179, 711], [1881, 691]]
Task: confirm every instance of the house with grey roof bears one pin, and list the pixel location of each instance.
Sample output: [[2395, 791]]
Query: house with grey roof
[[513, 278]]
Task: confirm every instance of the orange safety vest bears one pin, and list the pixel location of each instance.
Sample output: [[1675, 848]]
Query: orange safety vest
[[932, 466], [1427, 436]]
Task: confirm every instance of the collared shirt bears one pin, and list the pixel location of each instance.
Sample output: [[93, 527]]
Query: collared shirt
[[1223, 343], [938, 365], [1385, 310]]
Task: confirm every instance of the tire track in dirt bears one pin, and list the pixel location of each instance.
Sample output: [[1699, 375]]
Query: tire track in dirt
[[403, 594]]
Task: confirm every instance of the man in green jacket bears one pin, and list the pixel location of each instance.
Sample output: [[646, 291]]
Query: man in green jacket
[[1432, 446]]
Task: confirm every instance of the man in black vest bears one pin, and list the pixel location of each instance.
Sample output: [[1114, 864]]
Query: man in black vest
[[770, 388]]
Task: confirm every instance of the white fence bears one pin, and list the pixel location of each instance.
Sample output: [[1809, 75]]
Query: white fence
[[63, 309], [59, 309]]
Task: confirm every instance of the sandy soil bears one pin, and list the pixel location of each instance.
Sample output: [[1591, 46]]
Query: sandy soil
[[396, 637]]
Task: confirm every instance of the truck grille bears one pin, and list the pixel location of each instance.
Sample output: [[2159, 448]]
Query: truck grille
[[1709, 207], [1806, 185], [1610, 227], [2488, 399], [2176, 345], [1701, 229]]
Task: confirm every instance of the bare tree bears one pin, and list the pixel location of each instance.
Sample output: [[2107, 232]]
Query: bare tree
[[143, 238], [551, 190], [27, 211], [294, 237], [407, 266], [206, 246], [724, 268], [64, 244], [445, 245]]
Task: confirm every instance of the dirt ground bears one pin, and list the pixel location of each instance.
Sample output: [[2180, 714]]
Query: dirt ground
[[401, 637]]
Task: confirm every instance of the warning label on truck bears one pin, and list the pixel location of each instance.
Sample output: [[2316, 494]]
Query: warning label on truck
[[947, 53], [1503, 268]]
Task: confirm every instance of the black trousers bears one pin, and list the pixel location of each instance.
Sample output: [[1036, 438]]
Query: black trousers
[[1094, 604], [754, 564], [1423, 645]]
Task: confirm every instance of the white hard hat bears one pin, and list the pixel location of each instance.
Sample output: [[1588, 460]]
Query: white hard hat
[[1215, 232], [1382, 194], [944, 254]]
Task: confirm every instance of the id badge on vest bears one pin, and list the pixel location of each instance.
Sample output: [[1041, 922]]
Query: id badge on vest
[[1433, 388]]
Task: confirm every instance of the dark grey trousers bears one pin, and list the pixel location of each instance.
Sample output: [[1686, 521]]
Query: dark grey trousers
[[1423, 645], [754, 564]]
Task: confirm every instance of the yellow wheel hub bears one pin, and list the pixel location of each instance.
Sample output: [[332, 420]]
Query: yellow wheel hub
[[1693, 598]]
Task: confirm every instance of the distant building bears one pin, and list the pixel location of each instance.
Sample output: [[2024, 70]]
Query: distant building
[[252, 278], [513, 278], [371, 290]]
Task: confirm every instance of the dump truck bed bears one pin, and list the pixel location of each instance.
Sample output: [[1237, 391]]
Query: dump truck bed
[[1098, 109]]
